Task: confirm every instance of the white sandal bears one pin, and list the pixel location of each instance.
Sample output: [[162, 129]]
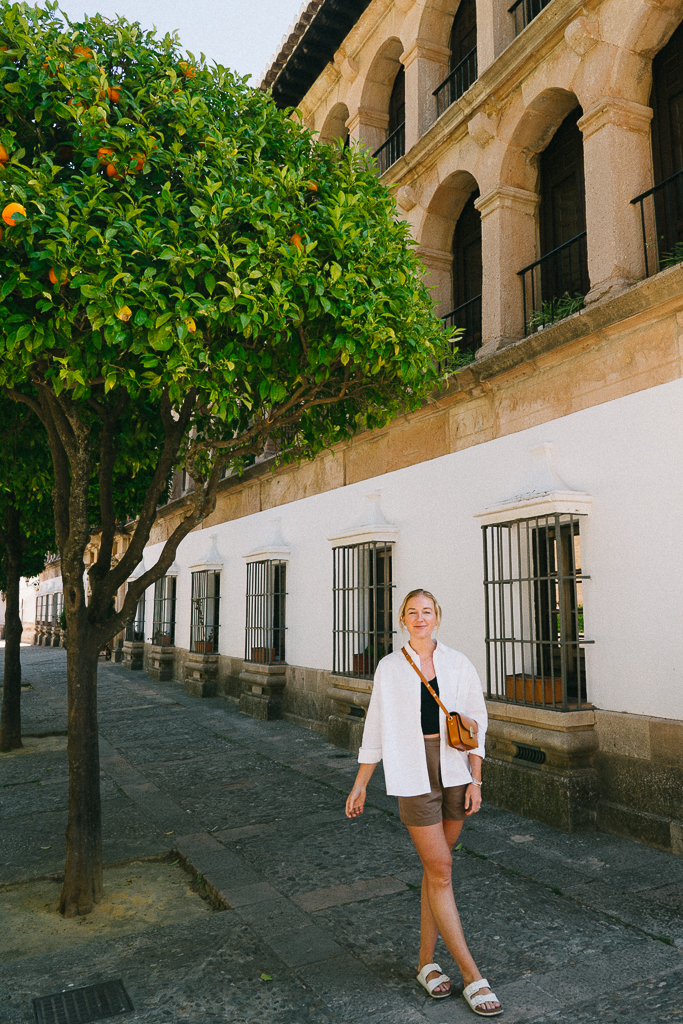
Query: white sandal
[[434, 982], [475, 1001]]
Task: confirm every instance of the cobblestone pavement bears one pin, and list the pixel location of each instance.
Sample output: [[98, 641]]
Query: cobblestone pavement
[[578, 929]]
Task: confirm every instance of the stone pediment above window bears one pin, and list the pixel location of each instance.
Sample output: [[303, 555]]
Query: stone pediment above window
[[372, 526], [543, 492], [211, 559], [275, 548]]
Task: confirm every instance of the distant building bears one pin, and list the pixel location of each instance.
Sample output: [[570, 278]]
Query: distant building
[[537, 155]]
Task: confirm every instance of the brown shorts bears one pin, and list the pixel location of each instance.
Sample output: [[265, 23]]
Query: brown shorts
[[442, 803]]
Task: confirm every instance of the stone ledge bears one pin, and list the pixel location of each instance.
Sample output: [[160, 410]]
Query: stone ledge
[[553, 721]]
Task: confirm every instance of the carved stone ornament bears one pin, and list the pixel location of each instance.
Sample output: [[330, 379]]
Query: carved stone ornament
[[482, 129], [582, 35], [406, 198]]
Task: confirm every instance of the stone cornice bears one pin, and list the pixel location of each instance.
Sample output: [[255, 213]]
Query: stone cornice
[[615, 110]]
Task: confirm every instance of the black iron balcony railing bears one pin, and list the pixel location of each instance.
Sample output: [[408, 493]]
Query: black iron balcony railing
[[458, 82], [661, 221], [524, 11], [555, 286], [468, 317], [392, 150]]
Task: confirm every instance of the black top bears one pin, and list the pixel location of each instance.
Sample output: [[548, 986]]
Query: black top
[[429, 709]]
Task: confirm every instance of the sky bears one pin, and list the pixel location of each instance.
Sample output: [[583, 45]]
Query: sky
[[241, 34]]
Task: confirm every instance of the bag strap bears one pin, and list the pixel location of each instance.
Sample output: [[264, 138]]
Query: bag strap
[[430, 688]]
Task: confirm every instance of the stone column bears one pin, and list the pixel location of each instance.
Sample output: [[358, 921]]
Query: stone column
[[508, 241], [426, 67], [368, 127], [495, 31], [438, 277], [617, 167], [267, 683]]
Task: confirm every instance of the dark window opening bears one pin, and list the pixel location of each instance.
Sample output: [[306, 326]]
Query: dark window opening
[[135, 630], [363, 607], [206, 600], [266, 595], [467, 278], [397, 101], [535, 635], [524, 11], [395, 146], [463, 59], [163, 627], [556, 284]]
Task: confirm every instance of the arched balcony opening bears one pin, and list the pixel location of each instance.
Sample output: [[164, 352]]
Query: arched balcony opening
[[463, 61], [661, 207], [467, 278], [335, 128], [555, 285], [395, 146]]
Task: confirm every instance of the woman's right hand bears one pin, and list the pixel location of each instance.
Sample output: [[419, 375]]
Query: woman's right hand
[[356, 801]]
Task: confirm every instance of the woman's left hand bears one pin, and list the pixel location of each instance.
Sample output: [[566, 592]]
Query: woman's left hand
[[472, 799]]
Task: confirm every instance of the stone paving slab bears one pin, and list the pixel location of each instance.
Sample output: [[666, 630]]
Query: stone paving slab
[[563, 926]]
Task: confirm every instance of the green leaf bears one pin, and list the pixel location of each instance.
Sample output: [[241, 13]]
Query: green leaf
[[210, 283], [16, 88], [266, 977], [164, 318]]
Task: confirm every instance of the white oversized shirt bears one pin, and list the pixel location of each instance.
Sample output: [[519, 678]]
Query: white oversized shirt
[[393, 728]]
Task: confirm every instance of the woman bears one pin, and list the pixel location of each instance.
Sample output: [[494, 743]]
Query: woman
[[435, 787]]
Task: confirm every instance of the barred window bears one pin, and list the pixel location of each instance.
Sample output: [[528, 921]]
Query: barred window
[[266, 594], [363, 609], [206, 599], [535, 636], [40, 605], [163, 626], [57, 607], [135, 630]]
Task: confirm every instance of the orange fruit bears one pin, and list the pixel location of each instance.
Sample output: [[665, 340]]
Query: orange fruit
[[103, 154], [83, 51], [311, 186], [112, 172], [114, 95], [296, 241], [140, 161], [54, 277], [4, 155], [187, 69], [9, 212]]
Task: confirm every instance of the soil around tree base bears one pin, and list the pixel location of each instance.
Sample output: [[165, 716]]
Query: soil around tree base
[[137, 896]]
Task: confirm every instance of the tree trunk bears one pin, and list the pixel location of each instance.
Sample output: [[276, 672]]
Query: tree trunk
[[10, 716], [82, 886]]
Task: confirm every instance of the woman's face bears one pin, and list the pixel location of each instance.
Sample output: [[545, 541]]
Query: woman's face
[[419, 617]]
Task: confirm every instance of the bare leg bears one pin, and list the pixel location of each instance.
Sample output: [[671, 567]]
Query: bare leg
[[429, 932], [435, 853]]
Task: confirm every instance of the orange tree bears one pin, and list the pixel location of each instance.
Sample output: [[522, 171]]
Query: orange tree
[[173, 240]]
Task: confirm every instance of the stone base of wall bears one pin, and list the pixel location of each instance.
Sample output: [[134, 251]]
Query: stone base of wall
[[160, 663], [133, 654], [201, 672], [565, 801]]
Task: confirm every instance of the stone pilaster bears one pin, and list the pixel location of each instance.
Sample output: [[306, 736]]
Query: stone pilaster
[[266, 684], [560, 786], [161, 662], [201, 674], [508, 230], [617, 167], [426, 67], [351, 698], [133, 652]]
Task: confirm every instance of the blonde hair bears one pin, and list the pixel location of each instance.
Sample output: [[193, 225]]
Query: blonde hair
[[416, 593]]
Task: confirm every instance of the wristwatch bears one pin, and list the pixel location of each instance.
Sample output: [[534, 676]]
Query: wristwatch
[[475, 783]]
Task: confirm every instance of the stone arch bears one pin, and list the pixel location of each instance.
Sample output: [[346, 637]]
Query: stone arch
[[532, 133], [436, 234], [436, 21], [379, 79], [335, 128], [647, 32]]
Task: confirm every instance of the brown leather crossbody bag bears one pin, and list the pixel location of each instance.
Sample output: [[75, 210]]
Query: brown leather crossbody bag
[[461, 731]]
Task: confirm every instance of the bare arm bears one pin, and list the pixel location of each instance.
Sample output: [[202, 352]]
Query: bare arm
[[356, 798], [473, 792]]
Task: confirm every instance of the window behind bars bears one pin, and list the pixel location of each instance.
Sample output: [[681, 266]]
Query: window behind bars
[[265, 624], [135, 630], [206, 600], [363, 608], [163, 627], [535, 636]]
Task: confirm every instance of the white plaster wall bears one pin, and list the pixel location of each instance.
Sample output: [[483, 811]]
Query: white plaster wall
[[626, 453]]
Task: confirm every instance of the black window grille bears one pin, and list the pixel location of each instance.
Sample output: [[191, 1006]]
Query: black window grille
[[535, 636], [392, 150], [135, 630], [363, 607], [266, 596], [459, 80], [524, 11], [163, 626], [206, 602]]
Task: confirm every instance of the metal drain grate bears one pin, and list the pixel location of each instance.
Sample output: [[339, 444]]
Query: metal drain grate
[[79, 1005], [533, 755]]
